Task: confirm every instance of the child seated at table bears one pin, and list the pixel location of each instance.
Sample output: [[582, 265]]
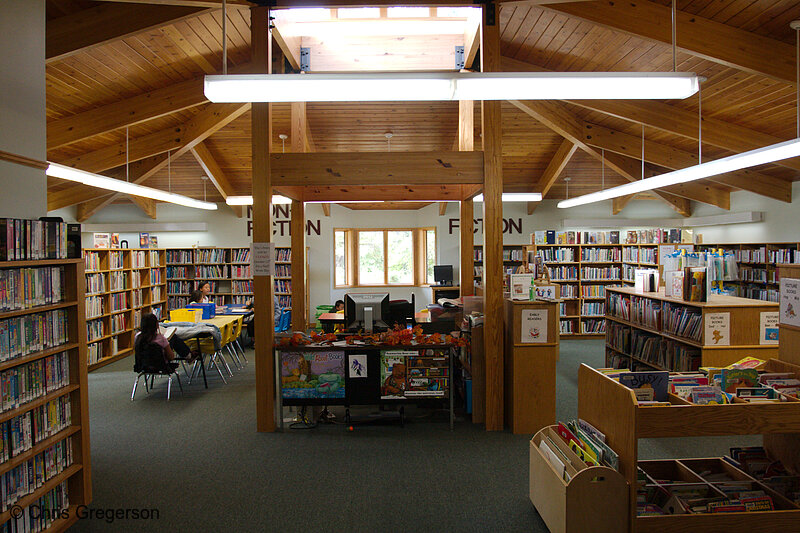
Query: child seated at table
[[150, 333]]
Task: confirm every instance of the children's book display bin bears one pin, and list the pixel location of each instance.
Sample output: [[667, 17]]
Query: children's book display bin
[[594, 499], [612, 408]]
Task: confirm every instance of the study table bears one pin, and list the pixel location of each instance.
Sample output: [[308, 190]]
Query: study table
[[329, 321]]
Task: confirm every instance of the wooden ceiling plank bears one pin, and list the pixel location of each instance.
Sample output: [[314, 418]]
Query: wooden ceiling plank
[[298, 134], [556, 166], [390, 193], [376, 168], [177, 38], [619, 203], [290, 44], [239, 4], [212, 169], [442, 208], [147, 205], [696, 35], [556, 117], [106, 23], [674, 159]]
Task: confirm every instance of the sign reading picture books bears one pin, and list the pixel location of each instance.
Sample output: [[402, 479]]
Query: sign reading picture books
[[533, 326], [768, 327], [312, 375], [790, 302], [718, 329]]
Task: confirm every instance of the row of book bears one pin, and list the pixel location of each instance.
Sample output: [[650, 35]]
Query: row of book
[[156, 295], [40, 514], [566, 327], [180, 257], [94, 329], [95, 283], [784, 255], [569, 291], [659, 236], [283, 286], [619, 306], [596, 255], [757, 274], [155, 277], [95, 306], [593, 291], [593, 308], [284, 301], [178, 302], [245, 286], [639, 255], [629, 273], [23, 288], [646, 311], [557, 254], [211, 255], [682, 321], [564, 273], [758, 293], [513, 254], [118, 302], [285, 271], [27, 382], [23, 432], [119, 323], [155, 259], [139, 259], [180, 287], [240, 255], [211, 272], [593, 325], [596, 273], [94, 352], [32, 240], [174, 272], [117, 281], [283, 254], [29, 476], [26, 334], [136, 281], [116, 261], [747, 255], [240, 271], [137, 300], [91, 261], [243, 299]]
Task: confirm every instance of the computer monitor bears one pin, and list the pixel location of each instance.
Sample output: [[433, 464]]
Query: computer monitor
[[366, 311], [443, 274]]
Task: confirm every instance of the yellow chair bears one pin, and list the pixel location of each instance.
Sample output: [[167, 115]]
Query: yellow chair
[[204, 345], [238, 326], [230, 338]]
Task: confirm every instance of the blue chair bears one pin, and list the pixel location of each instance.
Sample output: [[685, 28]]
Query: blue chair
[[284, 322]]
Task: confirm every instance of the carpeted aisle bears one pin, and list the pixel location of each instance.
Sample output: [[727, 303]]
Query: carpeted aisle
[[198, 460]]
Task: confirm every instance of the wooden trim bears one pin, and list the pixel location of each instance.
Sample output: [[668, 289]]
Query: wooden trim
[[556, 166], [23, 160], [299, 289]]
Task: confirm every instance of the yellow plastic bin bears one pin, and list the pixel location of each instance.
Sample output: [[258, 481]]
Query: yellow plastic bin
[[186, 315]]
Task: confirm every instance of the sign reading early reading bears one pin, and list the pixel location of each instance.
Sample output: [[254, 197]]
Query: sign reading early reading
[[533, 325], [261, 258]]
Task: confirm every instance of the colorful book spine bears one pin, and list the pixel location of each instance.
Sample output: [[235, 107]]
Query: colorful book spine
[[27, 334]]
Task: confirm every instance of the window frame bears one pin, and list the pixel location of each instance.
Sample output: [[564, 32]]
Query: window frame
[[352, 263]]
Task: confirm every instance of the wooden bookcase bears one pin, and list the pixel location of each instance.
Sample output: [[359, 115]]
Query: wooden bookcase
[[227, 269], [126, 283], [77, 476], [743, 317], [637, 256], [612, 409], [513, 257]]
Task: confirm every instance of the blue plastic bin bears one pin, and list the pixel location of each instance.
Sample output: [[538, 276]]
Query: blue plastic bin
[[209, 309]]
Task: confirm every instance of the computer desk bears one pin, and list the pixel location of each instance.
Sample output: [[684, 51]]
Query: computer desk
[[329, 320], [444, 291]]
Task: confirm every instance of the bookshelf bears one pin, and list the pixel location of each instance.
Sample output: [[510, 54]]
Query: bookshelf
[[758, 266], [228, 272], [49, 355], [121, 285], [513, 258], [652, 331], [612, 409]]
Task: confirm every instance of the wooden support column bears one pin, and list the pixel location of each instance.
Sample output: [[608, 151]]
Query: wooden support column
[[262, 228], [466, 142], [298, 231], [492, 226]]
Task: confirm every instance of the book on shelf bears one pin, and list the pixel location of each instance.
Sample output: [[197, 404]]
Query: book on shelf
[[695, 284], [144, 240], [32, 239], [646, 279]]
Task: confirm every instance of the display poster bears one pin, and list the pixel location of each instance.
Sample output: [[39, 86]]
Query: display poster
[[358, 365], [790, 302], [533, 326], [408, 373], [718, 329], [547, 292], [101, 240], [768, 327], [261, 262], [520, 286], [310, 375]]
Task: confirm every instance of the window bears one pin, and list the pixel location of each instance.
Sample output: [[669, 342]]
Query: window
[[379, 257]]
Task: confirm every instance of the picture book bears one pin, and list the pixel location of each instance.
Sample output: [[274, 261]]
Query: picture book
[[747, 362], [102, 240], [144, 240], [588, 428], [707, 396], [552, 458], [114, 243], [312, 375], [657, 381], [756, 392], [153, 241], [733, 378], [394, 373]]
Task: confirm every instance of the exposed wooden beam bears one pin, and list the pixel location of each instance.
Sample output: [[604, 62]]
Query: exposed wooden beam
[[71, 196], [386, 206], [147, 205], [389, 193], [376, 168], [442, 208], [556, 117], [619, 203], [672, 119], [696, 35], [212, 169], [467, 247], [240, 4], [326, 209], [299, 133], [289, 44], [106, 23], [298, 267], [491, 128], [674, 158], [472, 41], [532, 207], [556, 166], [466, 126], [198, 129]]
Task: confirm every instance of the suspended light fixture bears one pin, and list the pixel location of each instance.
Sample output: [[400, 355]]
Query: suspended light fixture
[[430, 86], [515, 197], [96, 180], [752, 158]]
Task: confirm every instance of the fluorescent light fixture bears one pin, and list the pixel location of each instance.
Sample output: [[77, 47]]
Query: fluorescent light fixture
[[248, 200], [759, 156], [342, 30], [96, 180], [437, 86], [515, 197]]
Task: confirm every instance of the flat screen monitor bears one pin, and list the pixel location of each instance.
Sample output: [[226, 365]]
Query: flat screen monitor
[[356, 304], [443, 274]]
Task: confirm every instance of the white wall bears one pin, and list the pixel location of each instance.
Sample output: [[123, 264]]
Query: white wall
[[22, 107], [224, 229]]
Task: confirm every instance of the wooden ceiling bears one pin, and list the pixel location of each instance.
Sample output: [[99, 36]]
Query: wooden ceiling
[[124, 85]]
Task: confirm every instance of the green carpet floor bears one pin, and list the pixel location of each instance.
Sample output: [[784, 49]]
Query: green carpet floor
[[199, 461]]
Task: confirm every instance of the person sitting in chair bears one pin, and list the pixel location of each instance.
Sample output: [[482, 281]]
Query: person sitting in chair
[[196, 297], [205, 288], [149, 339], [338, 307]]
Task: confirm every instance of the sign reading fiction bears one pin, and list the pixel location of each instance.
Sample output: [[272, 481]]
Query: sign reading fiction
[[282, 221], [510, 225]]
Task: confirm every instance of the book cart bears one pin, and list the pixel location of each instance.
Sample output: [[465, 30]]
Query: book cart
[[663, 333], [121, 285], [357, 375], [55, 408], [612, 409]]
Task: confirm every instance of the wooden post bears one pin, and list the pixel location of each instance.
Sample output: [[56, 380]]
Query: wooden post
[[298, 231], [467, 268], [262, 227], [492, 226]]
